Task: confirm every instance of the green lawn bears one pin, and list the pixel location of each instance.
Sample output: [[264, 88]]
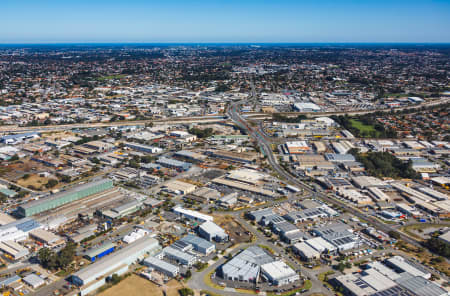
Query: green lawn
[[361, 126]]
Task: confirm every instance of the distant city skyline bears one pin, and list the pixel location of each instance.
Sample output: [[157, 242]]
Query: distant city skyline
[[232, 21]]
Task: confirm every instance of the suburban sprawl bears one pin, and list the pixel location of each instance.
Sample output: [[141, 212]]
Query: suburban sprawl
[[225, 170]]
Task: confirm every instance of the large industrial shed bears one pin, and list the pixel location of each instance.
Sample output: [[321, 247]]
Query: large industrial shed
[[59, 199], [199, 244], [211, 231], [97, 253], [93, 276], [161, 266]]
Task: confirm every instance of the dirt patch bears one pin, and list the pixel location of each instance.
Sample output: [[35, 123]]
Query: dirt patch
[[135, 285], [34, 180], [236, 232]]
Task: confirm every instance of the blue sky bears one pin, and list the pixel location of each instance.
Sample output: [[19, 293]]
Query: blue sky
[[48, 21]]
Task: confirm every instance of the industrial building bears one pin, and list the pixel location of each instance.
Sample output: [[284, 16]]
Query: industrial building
[[279, 273], [18, 230], [143, 148], [297, 147], [211, 231], [245, 266], [93, 276], [400, 264], [179, 187], [59, 199], [46, 237], [192, 215], [199, 244], [99, 252], [162, 266], [174, 164], [179, 256], [13, 249], [305, 251]]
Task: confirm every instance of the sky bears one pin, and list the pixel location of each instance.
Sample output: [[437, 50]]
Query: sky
[[234, 21]]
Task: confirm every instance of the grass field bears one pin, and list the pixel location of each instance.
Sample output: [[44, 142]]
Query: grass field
[[362, 127], [135, 285]]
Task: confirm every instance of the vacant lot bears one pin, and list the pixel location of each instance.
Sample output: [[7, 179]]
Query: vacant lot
[[234, 229], [135, 285], [34, 180]]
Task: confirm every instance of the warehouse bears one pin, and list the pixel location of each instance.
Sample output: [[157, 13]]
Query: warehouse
[[33, 280], [99, 252], [400, 264], [143, 148], [379, 195], [433, 193], [306, 107], [46, 237], [279, 273], [161, 266], [297, 147], [13, 249], [200, 245], [306, 252], [18, 230], [409, 192], [211, 231], [59, 199], [192, 215], [243, 186], [179, 187], [190, 156], [368, 181], [245, 266], [320, 245], [174, 164], [93, 276], [179, 256], [205, 194]]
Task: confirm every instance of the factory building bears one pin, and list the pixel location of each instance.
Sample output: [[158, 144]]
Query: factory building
[[245, 267], [174, 164], [62, 198], [93, 276], [13, 249], [46, 237], [143, 148], [279, 273], [192, 215], [18, 230], [400, 264], [99, 252], [179, 187], [211, 231], [179, 256], [306, 252], [161, 266], [200, 245]]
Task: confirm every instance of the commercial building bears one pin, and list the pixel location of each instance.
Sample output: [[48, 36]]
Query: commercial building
[[162, 266], [93, 276], [62, 198], [279, 273], [211, 231], [200, 245], [241, 157]]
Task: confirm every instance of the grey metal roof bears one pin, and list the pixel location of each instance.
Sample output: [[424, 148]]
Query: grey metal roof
[[420, 285], [196, 241]]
